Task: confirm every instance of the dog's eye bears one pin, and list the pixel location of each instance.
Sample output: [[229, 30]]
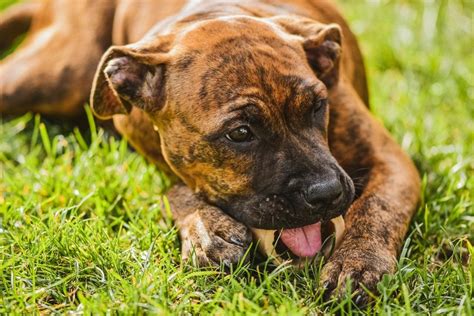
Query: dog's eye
[[319, 105], [240, 134]]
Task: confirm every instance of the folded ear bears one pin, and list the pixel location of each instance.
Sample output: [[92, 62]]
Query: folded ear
[[321, 42], [126, 77]]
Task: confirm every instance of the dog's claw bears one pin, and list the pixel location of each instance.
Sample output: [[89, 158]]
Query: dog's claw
[[360, 300], [325, 286], [237, 241]]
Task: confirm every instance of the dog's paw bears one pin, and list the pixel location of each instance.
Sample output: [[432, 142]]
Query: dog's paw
[[210, 237], [363, 264]]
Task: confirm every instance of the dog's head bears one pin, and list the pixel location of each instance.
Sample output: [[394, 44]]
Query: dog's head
[[241, 107]]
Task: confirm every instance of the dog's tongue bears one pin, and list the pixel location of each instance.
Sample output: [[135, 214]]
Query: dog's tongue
[[303, 241]]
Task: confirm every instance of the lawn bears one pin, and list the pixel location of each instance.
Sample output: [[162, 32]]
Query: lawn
[[83, 224]]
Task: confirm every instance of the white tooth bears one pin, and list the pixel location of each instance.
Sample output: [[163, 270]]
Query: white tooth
[[265, 239], [339, 228]]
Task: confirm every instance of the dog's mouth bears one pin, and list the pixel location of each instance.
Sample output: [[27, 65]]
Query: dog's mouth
[[300, 244]]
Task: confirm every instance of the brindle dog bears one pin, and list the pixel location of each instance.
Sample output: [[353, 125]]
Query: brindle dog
[[258, 109]]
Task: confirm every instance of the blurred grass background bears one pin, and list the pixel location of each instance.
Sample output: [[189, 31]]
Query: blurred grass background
[[81, 224]]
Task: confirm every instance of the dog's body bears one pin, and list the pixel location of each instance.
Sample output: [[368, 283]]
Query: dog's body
[[230, 97]]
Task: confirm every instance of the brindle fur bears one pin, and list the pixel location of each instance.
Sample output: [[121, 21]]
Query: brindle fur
[[266, 62]]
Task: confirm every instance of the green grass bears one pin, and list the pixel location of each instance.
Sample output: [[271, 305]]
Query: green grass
[[81, 216]]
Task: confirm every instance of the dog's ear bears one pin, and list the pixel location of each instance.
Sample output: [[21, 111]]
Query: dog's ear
[[321, 42], [129, 76]]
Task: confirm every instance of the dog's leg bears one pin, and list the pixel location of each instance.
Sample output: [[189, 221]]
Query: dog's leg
[[389, 189], [208, 235], [52, 70], [15, 21]]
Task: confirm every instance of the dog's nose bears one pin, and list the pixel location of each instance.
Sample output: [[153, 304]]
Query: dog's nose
[[323, 192]]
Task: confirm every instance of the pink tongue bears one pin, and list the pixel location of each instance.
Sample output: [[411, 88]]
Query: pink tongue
[[303, 241]]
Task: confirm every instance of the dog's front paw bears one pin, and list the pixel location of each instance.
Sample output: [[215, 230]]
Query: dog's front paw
[[363, 263], [210, 237]]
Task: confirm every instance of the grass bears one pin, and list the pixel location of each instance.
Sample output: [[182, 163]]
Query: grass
[[82, 224]]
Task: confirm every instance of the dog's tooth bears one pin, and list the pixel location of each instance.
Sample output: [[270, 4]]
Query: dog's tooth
[[339, 228], [265, 240]]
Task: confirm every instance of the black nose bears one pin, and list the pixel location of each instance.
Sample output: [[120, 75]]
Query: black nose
[[323, 191]]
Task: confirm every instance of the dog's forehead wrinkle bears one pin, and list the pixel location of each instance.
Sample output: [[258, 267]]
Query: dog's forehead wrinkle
[[220, 82], [275, 110], [242, 96]]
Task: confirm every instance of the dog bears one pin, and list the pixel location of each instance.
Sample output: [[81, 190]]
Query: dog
[[258, 110]]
